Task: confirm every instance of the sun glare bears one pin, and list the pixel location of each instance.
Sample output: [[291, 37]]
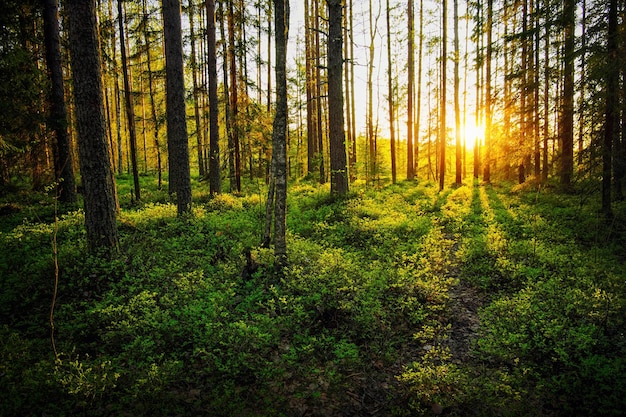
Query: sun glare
[[473, 134]]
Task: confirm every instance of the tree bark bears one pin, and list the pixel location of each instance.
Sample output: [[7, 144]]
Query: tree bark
[[338, 161], [63, 164], [410, 166], [177, 140], [567, 100], [279, 135], [611, 109], [95, 167], [457, 104], [442, 96], [215, 182], [130, 112], [390, 101]]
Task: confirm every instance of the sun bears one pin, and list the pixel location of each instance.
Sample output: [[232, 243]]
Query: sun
[[472, 134]]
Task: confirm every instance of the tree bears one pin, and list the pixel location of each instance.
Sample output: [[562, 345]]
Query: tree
[[63, 164], [567, 100], [392, 118], [215, 181], [95, 167], [410, 166], [457, 105], [196, 91], [277, 198], [442, 96], [177, 140], [234, 145], [130, 112], [488, 105], [338, 162], [611, 109]]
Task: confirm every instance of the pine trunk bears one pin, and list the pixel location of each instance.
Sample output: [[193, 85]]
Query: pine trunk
[[95, 167]]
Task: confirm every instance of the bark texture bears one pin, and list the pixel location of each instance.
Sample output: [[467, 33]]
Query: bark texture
[[95, 166]]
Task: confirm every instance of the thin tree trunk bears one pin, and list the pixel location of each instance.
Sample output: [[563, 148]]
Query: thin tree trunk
[[234, 98], [612, 108], [442, 105], [410, 166], [62, 149], [457, 105], [128, 100], [488, 105], [215, 182], [392, 121], [195, 93], [418, 104], [567, 101], [153, 113]]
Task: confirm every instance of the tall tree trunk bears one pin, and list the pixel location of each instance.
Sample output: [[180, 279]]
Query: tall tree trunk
[[392, 118], [95, 167], [128, 100], [546, 101], [442, 97], [226, 88], [279, 140], [353, 153], [338, 161], [177, 139], [488, 105], [567, 100], [410, 166], [215, 181], [62, 149], [457, 104], [346, 74], [234, 98], [318, 90], [418, 104], [611, 109], [311, 109], [153, 113], [196, 91]]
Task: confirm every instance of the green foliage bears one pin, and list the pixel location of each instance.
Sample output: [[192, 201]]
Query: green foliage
[[193, 318]]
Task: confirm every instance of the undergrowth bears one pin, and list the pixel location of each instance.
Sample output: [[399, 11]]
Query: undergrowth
[[192, 319]]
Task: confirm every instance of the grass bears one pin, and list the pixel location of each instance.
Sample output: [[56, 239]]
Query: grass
[[365, 319]]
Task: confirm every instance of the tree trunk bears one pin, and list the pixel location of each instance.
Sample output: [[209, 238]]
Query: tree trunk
[[442, 97], [392, 119], [63, 164], [130, 112], [279, 140], [410, 166], [196, 91], [338, 161], [234, 99], [215, 182], [567, 100], [311, 120], [612, 108], [177, 140], [457, 104], [95, 167], [153, 114], [418, 104], [488, 105]]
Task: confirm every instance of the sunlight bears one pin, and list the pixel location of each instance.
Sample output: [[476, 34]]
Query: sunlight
[[472, 134]]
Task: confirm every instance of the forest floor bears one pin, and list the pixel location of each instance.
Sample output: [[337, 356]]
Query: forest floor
[[481, 300]]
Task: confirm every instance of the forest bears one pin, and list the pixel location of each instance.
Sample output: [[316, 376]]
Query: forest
[[312, 208]]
